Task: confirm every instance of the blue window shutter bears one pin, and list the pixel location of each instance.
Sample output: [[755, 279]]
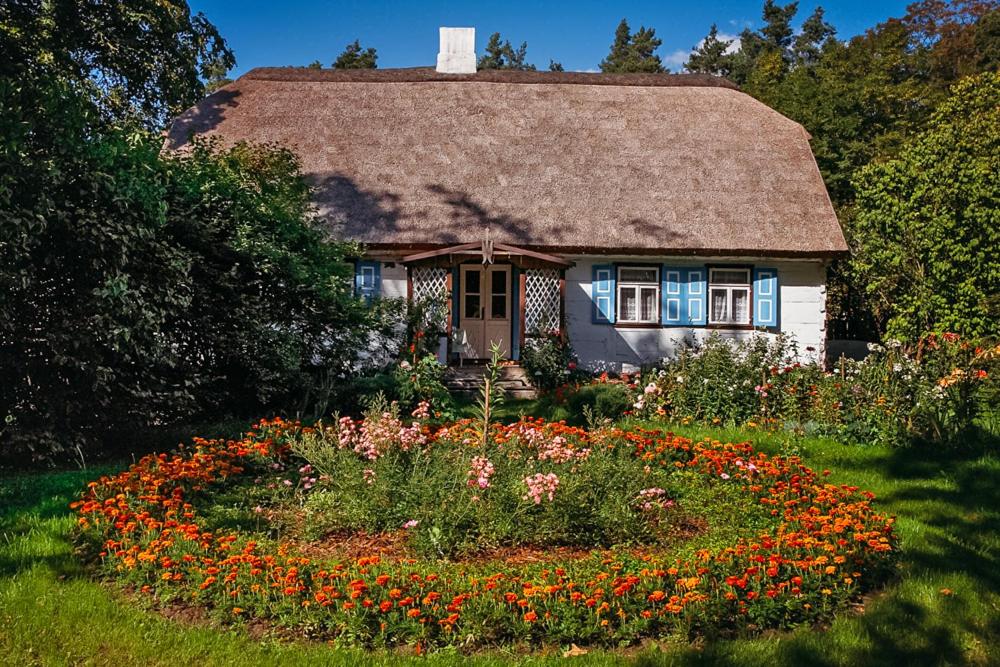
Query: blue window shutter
[[456, 306], [765, 297], [602, 288], [368, 280], [696, 293], [672, 308]]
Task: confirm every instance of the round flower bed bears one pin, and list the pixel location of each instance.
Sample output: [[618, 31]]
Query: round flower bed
[[158, 527]]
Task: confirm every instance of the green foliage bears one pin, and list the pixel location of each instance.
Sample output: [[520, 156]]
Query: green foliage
[[941, 390], [927, 225], [423, 380], [141, 289], [633, 52], [860, 100], [710, 56], [549, 360], [454, 501], [501, 55], [354, 57], [490, 393], [142, 60], [602, 400]]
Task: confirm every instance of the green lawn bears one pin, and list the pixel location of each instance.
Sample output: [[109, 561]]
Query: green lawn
[[948, 504]]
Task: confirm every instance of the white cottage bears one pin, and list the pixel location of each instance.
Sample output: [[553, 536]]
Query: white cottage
[[629, 211]]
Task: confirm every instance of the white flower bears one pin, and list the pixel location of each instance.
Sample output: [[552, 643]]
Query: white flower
[[405, 365]]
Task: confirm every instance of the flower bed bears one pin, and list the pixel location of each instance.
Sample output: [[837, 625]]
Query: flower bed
[[824, 545]]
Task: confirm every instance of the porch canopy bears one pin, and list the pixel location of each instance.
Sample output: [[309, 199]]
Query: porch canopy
[[488, 250], [531, 295]]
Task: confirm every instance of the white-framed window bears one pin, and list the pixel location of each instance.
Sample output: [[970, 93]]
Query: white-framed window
[[638, 295], [729, 296]]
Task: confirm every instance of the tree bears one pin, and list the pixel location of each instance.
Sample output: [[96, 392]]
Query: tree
[[354, 57], [142, 59], [315, 65], [215, 77], [555, 66], [710, 57], [987, 41], [927, 225], [777, 31], [138, 288], [633, 52], [814, 35], [501, 55]]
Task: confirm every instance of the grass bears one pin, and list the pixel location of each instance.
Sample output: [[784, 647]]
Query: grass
[[943, 609]]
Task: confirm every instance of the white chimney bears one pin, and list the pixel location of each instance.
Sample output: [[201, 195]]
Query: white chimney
[[457, 54]]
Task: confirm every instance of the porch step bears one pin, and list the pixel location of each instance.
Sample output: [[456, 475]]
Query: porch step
[[466, 381]]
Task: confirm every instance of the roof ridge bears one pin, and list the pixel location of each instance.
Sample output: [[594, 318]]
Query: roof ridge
[[428, 74]]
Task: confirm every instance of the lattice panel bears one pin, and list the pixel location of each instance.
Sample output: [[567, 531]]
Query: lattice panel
[[431, 283], [541, 302]]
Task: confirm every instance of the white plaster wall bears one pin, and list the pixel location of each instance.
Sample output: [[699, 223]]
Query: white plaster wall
[[802, 314], [393, 280]]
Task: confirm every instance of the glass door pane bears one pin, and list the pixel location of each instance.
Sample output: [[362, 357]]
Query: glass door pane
[[498, 294], [472, 308]]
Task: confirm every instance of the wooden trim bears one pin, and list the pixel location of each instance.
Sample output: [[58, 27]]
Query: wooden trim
[[522, 287], [643, 325], [451, 310], [716, 326], [665, 252], [531, 253], [562, 306], [473, 249], [732, 327], [409, 285]]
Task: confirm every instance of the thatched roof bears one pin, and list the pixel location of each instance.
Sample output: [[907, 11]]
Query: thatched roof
[[556, 161]]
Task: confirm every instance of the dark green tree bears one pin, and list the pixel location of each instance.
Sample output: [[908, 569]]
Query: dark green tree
[[987, 41], [814, 35], [777, 31], [710, 56], [354, 57], [500, 54], [927, 226], [555, 66], [143, 60], [633, 52]]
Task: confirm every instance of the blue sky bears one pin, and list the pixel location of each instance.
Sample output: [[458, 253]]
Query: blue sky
[[577, 34]]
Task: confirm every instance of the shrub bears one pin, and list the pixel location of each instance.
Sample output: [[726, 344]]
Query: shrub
[[604, 400], [936, 390], [549, 360], [423, 381]]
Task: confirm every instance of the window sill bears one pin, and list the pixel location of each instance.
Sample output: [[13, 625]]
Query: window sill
[[731, 327], [638, 325]]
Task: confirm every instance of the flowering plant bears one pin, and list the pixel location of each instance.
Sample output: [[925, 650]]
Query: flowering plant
[[811, 546]]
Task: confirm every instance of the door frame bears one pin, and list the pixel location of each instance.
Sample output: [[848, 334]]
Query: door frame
[[486, 327]]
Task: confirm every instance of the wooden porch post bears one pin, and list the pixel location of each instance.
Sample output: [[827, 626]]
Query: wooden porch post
[[447, 286], [522, 288], [562, 305]]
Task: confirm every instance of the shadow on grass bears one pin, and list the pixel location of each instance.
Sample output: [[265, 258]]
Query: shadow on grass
[[948, 503]]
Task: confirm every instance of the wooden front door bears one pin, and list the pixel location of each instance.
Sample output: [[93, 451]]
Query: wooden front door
[[485, 316]]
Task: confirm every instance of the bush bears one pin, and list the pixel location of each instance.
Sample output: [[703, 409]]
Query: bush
[[604, 400], [937, 390], [549, 360]]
